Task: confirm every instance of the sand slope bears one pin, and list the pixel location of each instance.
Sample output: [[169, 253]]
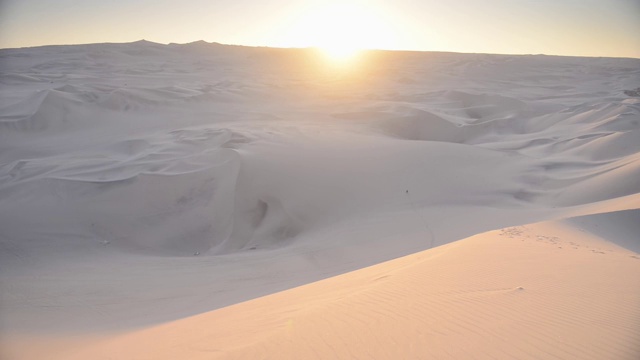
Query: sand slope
[[144, 183], [546, 290]]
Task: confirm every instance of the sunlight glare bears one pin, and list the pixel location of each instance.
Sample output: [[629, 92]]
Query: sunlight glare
[[341, 30], [339, 53]]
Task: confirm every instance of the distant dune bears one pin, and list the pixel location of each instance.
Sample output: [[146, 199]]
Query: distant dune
[[184, 200]]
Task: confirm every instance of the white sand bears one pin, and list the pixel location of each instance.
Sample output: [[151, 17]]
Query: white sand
[[143, 184], [546, 290]]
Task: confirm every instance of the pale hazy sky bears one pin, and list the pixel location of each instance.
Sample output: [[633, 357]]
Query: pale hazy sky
[[562, 27]]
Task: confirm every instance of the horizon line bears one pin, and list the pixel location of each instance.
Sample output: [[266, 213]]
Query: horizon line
[[313, 47]]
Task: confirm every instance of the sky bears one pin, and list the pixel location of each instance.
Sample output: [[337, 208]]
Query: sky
[[554, 27]]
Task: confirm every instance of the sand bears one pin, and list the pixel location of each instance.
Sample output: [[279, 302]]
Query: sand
[[187, 201]]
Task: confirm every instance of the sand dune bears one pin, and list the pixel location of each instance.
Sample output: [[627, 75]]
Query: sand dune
[[143, 184], [521, 292]]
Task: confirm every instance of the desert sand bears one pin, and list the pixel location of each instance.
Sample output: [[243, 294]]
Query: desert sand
[[211, 201]]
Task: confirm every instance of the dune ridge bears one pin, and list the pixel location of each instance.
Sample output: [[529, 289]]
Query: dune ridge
[[484, 297]]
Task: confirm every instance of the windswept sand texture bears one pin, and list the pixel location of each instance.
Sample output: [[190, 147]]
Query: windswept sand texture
[[152, 195]]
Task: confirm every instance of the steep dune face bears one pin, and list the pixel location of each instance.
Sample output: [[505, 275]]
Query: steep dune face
[[276, 169]]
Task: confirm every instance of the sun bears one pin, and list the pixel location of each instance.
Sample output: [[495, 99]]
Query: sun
[[340, 53], [340, 30]]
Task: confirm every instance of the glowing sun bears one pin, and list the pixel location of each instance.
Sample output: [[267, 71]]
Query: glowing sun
[[341, 30]]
